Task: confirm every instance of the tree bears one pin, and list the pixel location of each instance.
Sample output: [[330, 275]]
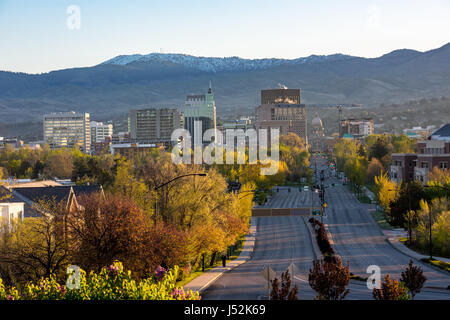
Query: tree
[[285, 292], [374, 169], [409, 197], [381, 149], [438, 211], [391, 290], [329, 280], [413, 278], [103, 230], [59, 164], [385, 191], [34, 247], [343, 151], [403, 144]]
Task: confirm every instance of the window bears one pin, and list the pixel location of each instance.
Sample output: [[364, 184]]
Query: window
[[424, 165], [443, 165]]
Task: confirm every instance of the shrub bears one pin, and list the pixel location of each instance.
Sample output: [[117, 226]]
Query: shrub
[[285, 292], [329, 280], [413, 278], [391, 290], [111, 283]]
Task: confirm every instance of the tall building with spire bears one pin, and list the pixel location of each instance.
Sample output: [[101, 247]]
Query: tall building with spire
[[200, 107]]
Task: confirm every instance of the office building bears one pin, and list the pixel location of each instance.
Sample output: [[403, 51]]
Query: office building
[[100, 131], [356, 128], [67, 130], [200, 107], [431, 153], [149, 126], [281, 108]]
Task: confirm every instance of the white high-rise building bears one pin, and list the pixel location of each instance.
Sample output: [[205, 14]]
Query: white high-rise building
[[100, 131], [67, 129]]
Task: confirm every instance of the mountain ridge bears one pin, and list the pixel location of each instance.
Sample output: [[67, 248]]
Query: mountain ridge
[[107, 90]]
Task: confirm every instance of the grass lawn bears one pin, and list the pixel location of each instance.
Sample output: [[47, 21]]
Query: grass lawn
[[438, 263], [199, 272], [415, 247], [381, 219], [364, 199]]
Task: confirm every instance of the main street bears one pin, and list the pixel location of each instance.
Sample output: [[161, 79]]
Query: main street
[[284, 240], [359, 240], [280, 241]]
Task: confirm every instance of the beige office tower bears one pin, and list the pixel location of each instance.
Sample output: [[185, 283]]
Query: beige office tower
[[67, 130], [154, 125], [281, 108]]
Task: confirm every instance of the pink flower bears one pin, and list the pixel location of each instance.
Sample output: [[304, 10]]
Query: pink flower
[[160, 272]]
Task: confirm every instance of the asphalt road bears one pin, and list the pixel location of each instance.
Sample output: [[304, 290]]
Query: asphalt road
[[285, 240], [358, 240], [280, 241]]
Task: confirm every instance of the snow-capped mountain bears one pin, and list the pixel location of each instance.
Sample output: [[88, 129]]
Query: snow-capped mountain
[[213, 64]]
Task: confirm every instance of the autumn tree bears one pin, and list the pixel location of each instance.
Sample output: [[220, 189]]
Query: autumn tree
[[385, 191], [106, 229], [35, 248], [374, 169], [329, 279], [391, 290], [413, 278], [285, 292]]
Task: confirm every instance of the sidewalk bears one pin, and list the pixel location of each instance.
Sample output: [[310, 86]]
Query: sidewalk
[[206, 279], [407, 251]]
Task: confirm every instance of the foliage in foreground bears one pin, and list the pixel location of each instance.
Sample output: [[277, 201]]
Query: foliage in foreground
[[329, 279], [285, 292], [413, 278], [391, 290], [111, 283]]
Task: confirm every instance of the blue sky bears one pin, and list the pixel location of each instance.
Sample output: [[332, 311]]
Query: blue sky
[[34, 36]]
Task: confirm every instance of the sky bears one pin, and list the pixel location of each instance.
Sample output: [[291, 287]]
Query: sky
[[40, 36]]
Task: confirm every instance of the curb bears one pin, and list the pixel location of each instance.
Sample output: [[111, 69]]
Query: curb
[[396, 245], [312, 238], [245, 255]]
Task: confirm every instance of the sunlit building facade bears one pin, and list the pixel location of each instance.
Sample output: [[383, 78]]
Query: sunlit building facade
[[68, 130]]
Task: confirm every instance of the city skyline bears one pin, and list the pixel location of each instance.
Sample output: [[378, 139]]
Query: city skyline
[[290, 29]]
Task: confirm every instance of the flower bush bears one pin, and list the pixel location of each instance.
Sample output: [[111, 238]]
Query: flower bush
[[111, 283]]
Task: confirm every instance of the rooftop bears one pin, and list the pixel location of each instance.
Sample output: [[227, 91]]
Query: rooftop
[[443, 133]]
